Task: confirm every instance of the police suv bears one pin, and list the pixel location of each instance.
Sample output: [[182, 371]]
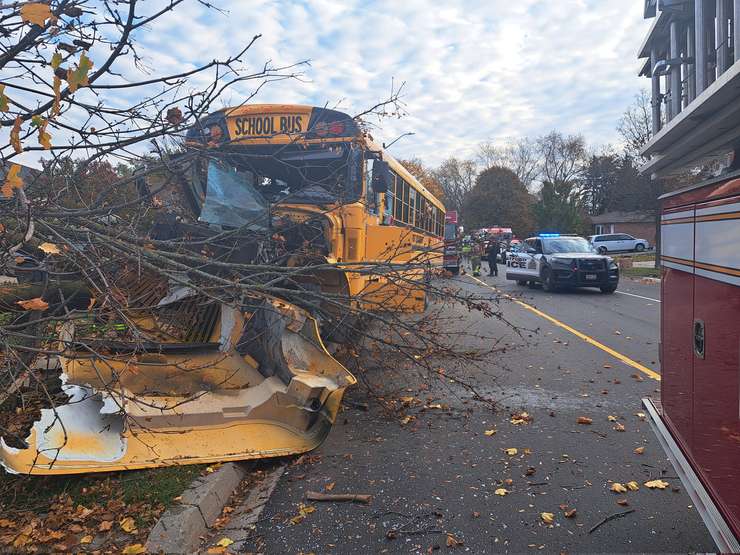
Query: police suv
[[562, 261]]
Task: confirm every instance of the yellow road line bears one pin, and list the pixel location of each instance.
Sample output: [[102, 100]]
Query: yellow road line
[[590, 340]]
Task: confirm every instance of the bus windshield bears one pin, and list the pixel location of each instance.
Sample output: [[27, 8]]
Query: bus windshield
[[293, 174]]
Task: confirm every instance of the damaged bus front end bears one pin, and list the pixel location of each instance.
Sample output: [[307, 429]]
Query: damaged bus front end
[[209, 382]]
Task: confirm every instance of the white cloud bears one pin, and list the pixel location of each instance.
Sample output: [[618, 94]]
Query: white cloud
[[474, 69]]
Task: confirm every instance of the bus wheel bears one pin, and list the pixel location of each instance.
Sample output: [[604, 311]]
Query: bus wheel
[[521, 282]]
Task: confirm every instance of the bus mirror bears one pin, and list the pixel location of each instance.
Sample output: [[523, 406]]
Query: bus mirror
[[382, 177]]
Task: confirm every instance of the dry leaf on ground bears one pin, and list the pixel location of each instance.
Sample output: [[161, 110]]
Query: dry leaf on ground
[[511, 451], [656, 484], [128, 525], [34, 304], [618, 488], [633, 486], [547, 518], [639, 451], [584, 420], [501, 491]]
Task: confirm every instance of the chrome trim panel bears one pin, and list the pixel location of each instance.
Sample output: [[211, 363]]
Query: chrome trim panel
[[713, 519]]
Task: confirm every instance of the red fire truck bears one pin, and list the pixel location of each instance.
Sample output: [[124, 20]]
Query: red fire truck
[[698, 417], [696, 130], [451, 256]]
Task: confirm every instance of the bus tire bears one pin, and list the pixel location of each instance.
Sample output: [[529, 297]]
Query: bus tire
[[521, 282]]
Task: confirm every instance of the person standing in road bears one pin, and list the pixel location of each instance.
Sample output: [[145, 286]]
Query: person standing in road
[[475, 257], [492, 255]]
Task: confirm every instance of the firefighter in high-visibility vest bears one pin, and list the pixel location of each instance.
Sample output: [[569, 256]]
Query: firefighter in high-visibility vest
[[466, 249], [475, 257]]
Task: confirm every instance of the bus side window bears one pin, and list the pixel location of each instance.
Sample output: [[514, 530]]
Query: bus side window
[[389, 202], [370, 194]]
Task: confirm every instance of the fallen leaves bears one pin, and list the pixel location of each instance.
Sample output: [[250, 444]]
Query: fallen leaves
[[303, 512], [633, 486], [547, 518], [224, 542], [453, 541], [570, 513], [657, 484], [128, 525], [520, 418], [639, 451], [33, 304], [584, 420], [511, 451], [623, 502], [619, 427], [134, 549], [611, 418], [490, 433], [501, 491], [616, 487], [49, 248]]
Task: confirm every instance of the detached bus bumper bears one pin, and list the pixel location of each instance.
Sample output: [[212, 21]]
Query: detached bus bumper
[[710, 513]]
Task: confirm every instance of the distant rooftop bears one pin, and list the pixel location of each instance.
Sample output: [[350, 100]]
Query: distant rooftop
[[691, 52], [624, 217]]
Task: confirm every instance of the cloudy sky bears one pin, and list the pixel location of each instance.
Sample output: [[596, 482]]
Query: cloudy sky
[[474, 70]]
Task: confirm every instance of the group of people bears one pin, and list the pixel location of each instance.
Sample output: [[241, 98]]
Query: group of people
[[475, 251]]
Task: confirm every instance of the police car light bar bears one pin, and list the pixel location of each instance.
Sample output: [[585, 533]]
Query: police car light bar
[[549, 235]]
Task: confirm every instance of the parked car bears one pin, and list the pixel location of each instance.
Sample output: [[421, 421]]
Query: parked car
[[611, 242]]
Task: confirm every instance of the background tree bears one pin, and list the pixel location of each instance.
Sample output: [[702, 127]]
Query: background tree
[[562, 157], [558, 209], [499, 198], [456, 178], [426, 177], [635, 125], [521, 156]]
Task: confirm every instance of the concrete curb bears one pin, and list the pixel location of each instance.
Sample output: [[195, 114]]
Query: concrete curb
[[243, 522], [180, 528]]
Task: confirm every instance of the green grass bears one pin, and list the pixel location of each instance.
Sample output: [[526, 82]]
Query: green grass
[[155, 486], [647, 257], [640, 272]]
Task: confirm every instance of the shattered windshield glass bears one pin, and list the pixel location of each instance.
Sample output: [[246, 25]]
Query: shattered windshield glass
[[310, 174], [232, 198]]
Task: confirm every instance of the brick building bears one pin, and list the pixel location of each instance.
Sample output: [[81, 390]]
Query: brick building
[[637, 224]]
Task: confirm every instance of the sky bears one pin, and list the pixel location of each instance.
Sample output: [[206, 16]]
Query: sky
[[473, 70]]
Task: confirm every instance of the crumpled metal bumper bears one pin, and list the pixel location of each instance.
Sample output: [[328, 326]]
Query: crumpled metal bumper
[[265, 386]]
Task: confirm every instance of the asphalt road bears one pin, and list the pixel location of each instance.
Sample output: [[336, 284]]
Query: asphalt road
[[434, 480]]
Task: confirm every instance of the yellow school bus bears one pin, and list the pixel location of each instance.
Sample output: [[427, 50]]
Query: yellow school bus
[[317, 169]]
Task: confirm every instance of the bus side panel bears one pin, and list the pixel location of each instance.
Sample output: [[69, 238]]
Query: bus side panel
[[677, 315], [716, 438]]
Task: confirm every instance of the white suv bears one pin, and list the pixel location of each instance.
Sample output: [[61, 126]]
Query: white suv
[[617, 242]]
